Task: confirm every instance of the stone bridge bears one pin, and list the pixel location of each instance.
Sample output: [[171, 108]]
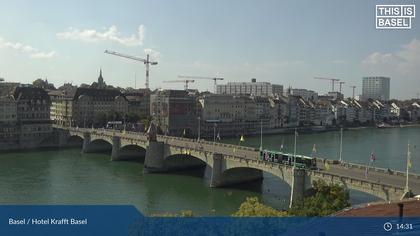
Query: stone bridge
[[232, 164]]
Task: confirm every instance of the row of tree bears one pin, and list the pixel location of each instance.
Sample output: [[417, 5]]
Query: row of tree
[[324, 199]]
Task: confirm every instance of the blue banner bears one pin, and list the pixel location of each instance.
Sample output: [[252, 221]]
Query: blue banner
[[127, 220]]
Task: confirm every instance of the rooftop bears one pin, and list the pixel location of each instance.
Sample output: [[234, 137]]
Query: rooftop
[[411, 208]]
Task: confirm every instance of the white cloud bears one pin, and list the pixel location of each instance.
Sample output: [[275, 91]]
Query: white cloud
[[43, 55], [379, 58], [33, 52], [155, 55], [112, 34], [405, 61]]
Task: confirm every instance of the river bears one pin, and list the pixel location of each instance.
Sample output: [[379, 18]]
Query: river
[[68, 177]]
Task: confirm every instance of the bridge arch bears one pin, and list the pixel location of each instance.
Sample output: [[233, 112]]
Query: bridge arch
[[180, 161], [74, 140], [98, 145], [132, 152]]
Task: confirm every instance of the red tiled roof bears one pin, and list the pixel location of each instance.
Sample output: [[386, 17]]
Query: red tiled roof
[[411, 208]]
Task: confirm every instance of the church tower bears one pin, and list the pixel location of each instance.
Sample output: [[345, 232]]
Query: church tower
[[101, 83]]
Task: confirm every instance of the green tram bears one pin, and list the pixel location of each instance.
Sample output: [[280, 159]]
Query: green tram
[[302, 162]]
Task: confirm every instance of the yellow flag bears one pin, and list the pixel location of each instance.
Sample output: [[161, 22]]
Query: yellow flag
[[409, 162], [242, 138], [327, 166]]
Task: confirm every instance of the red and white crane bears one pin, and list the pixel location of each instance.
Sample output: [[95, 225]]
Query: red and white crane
[[333, 80], [215, 79], [186, 81], [146, 62]]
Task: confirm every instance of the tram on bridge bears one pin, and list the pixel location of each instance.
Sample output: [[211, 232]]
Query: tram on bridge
[[303, 162]]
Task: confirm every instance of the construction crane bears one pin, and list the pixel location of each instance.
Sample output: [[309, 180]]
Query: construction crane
[[353, 87], [186, 81], [215, 79], [341, 83], [333, 80], [146, 62]]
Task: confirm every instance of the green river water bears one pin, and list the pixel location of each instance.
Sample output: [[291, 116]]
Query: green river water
[[69, 177]]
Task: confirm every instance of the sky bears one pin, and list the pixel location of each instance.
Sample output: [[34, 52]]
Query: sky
[[286, 42]]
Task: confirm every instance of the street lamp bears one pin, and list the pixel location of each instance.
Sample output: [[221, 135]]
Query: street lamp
[[261, 134], [199, 128], [341, 144], [214, 132], [294, 150]]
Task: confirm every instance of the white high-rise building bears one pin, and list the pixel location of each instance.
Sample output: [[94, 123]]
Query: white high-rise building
[[376, 87], [263, 89]]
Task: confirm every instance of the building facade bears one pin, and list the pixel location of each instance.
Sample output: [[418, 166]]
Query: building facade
[[261, 89], [174, 112], [33, 115], [229, 115], [139, 102], [9, 132], [305, 94], [377, 88]]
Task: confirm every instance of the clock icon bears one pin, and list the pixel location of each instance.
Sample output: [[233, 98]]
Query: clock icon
[[387, 226]]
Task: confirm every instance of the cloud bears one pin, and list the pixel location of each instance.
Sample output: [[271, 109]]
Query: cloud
[[405, 61], [112, 34], [378, 58], [155, 55], [43, 55], [33, 52]]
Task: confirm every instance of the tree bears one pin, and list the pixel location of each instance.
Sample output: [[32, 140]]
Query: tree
[[40, 83], [252, 207], [67, 87], [185, 213], [326, 200], [132, 117], [100, 119]]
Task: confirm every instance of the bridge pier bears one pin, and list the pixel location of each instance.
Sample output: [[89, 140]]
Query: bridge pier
[[221, 176], [155, 158], [116, 144], [300, 183], [86, 142], [216, 171], [62, 138]]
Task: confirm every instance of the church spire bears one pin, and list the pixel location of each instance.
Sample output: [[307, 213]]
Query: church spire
[[101, 83]]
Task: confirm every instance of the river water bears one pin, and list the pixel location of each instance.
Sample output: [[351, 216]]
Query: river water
[[68, 177]]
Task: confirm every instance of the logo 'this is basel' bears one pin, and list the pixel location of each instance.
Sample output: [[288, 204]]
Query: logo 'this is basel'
[[394, 16]]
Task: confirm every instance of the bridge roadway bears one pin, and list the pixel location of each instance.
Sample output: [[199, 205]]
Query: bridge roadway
[[374, 174], [231, 164]]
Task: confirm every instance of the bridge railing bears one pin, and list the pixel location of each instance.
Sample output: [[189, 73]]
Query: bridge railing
[[355, 180], [379, 169]]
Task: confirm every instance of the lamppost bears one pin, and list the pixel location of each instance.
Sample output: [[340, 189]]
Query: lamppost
[[214, 132], [294, 150], [341, 144], [84, 121], [261, 134], [407, 189], [199, 128]]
